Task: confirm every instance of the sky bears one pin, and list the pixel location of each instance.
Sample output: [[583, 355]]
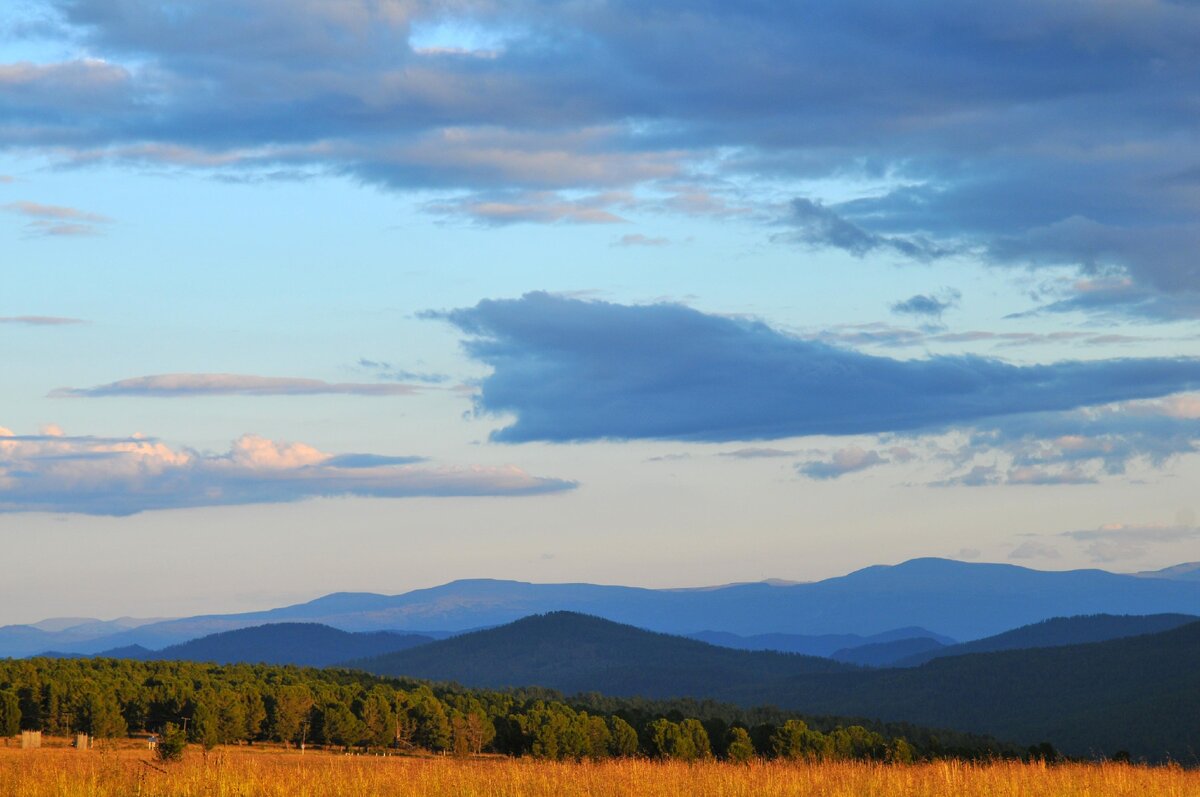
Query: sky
[[303, 296]]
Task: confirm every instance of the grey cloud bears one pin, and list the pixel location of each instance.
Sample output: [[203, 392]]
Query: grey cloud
[[927, 305], [187, 385], [842, 462], [758, 453], [392, 373], [106, 476], [1121, 542], [818, 225], [1032, 549], [577, 370]]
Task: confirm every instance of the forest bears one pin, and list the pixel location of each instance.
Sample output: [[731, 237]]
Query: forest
[[247, 704]]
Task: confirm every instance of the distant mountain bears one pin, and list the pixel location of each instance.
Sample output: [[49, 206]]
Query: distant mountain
[[577, 653], [1189, 571], [1056, 632], [963, 600], [886, 654], [813, 645], [303, 644], [1138, 694], [27, 640]]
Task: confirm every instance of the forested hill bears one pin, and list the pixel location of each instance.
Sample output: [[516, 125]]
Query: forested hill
[[1140, 694], [305, 644], [577, 653], [1059, 631]]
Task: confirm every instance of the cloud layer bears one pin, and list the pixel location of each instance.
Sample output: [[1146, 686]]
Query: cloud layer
[[1030, 133], [52, 472], [187, 385], [569, 369]]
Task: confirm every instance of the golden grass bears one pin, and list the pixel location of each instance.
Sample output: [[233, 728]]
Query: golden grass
[[242, 773]]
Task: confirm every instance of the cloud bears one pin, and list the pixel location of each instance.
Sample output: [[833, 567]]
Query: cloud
[[392, 373], [539, 207], [1121, 541], [819, 226], [56, 220], [1032, 549], [5, 179], [1122, 298], [927, 305], [637, 239], [123, 476], [40, 320], [758, 453], [569, 369], [187, 385], [1031, 133], [843, 461]]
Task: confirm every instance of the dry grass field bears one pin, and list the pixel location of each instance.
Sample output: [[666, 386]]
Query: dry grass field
[[244, 773]]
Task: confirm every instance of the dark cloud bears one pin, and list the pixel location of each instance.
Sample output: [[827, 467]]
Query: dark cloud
[[569, 369], [927, 305], [817, 225]]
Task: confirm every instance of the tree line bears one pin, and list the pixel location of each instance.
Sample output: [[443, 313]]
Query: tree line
[[240, 703]]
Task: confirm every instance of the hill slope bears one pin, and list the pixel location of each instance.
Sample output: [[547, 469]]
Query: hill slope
[[303, 644], [1140, 694], [813, 644], [886, 654], [577, 653], [1058, 631]]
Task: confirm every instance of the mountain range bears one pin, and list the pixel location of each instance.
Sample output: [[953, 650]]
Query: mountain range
[[944, 598]]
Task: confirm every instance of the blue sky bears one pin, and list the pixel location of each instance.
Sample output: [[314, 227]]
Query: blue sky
[[371, 295]]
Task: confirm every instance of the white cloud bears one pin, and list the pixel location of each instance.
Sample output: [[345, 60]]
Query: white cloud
[[54, 472]]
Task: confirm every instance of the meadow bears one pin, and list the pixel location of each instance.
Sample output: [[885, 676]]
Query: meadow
[[245, 772]]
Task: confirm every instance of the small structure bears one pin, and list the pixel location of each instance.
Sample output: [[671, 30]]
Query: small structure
[[83, 741], [31, 740]]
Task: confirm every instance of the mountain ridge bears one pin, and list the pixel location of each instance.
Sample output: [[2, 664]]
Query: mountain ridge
[[960, 600]]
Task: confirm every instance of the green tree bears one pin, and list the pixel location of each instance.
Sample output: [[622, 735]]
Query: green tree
[[623, 738], [340, 726], [431, 725], [171, 743], [668, 740], [738, 747], [794, 740], [899, 751], [10, 713], [694, 731], [378, 717], [287, 711], [205, 726], [100, 715]]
